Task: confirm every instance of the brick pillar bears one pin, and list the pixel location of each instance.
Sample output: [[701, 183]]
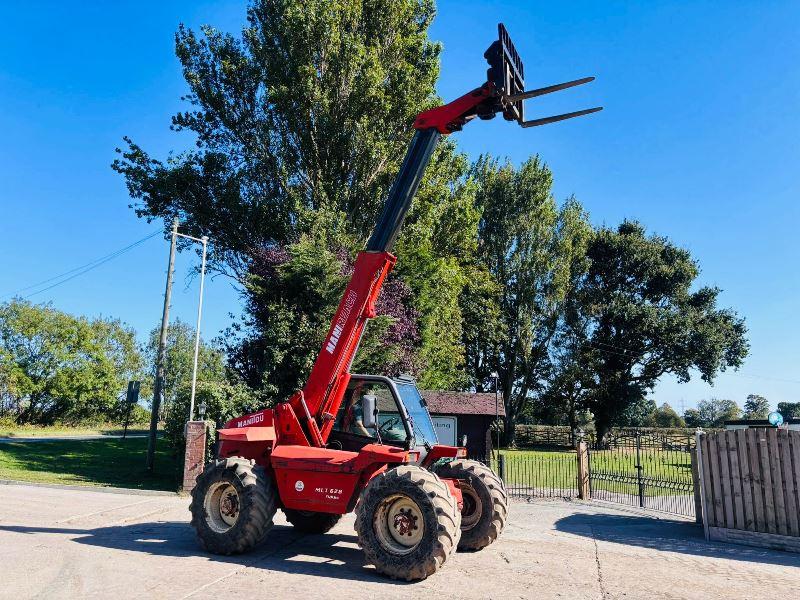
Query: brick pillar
[[195, 453]]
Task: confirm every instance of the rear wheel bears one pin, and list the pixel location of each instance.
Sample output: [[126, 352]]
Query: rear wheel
[[485, 510], [232, 506], [407, 522], [311, 522]]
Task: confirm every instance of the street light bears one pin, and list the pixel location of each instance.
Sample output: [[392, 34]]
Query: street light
[[203, 240], [496, 378]]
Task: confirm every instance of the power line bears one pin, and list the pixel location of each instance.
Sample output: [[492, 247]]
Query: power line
[[78, 271]]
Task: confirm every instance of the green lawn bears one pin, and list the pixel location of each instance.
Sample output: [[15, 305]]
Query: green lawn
[[615, 470], [112, 462], [63, 430]]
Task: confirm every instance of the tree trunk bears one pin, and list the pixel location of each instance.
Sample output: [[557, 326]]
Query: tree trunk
[[509, 427]]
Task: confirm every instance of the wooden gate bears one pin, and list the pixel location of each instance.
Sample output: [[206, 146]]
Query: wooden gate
[[749, 486]]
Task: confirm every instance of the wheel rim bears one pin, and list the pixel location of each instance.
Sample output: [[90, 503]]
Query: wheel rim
[[471, 513], [399, 524], [222, 506]]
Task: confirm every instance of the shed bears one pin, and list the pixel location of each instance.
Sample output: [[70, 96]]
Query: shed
[[789, 423], [456, 414]]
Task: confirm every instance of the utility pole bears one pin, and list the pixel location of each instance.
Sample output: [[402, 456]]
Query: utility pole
[[204, 241], [162, 348]]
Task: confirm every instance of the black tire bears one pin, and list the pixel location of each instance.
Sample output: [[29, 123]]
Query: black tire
[[311, 522], [415, 497], [232, 506], [485, 509]]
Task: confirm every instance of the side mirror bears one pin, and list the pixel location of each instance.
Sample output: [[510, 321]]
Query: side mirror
[[463, 441], [369, 411]]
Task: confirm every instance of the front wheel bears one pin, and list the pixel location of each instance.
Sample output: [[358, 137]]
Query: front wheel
[[485, 502], [407, 522], [232, 506]]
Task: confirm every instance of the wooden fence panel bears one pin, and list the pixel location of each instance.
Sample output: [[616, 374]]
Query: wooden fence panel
[[777, 481], [750, 486], [766, 483], [735, 480], [789, 483], [746, 480], [707, 480], [725, 479], [751, 435], [716, 482]]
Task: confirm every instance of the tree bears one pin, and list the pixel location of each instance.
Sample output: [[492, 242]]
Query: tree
[[639, 413], [56, 367], [666, 417], [179, 360], [644, 321], [300, 126], [692, 418], [756, 407], [532, 249], [714, 412], [789, 410]]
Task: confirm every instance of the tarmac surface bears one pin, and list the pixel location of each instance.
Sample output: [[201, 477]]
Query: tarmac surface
[[58, 542]]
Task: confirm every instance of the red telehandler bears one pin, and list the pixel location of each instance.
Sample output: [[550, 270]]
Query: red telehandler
[[366, 442]]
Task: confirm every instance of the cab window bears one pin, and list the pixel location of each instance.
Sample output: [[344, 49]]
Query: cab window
[[350, 419]]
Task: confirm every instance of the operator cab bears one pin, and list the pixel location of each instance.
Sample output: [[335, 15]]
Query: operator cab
[[400, 416]]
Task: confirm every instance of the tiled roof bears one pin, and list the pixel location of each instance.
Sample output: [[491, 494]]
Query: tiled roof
[[461, 403]]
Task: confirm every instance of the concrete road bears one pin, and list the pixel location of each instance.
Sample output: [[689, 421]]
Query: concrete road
[[68, 543]]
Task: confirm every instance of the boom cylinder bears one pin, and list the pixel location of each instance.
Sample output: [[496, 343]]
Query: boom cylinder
[[403, 190]]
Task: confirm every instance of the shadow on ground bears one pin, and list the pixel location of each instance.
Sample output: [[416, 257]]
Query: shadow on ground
[[667, 536], [284, 549]]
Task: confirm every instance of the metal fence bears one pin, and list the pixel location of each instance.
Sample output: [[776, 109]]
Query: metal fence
[[538, 473], [645, 469]]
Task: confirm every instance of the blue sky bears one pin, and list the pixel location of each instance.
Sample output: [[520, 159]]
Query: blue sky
[[698, 140]]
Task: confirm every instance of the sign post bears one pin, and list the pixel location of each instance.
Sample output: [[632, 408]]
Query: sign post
[[131, 398]]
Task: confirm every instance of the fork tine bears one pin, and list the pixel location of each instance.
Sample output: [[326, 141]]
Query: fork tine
[[548, 90], [556, 118]]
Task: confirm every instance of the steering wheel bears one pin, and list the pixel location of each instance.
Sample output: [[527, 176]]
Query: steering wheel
[[388, 424]]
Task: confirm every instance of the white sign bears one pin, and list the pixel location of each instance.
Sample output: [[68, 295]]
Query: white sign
[[445, 430]]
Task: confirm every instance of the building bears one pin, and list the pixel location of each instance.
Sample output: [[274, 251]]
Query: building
[[789, 423], [459, 414]]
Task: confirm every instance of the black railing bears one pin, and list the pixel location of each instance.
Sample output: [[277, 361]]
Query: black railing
[[537, 473], [645, 470]]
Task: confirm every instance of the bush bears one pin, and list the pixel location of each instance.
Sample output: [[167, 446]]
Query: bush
[[223, 402]]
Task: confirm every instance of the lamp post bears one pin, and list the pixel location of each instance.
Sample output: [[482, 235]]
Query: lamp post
[[496, 378], [203, 240]]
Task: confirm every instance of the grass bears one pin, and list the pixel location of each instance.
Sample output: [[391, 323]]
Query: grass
[[109, 463], [615, 470], [65, 430]]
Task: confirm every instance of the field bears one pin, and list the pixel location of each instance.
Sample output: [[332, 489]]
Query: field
[[112, 462]]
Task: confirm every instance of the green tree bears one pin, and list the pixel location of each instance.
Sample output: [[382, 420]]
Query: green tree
[[532, 249], [666, 417], [56, 367], [179, 360], [645, 322], [789, 410], [692, 418], [223, 401], [300, 125], [756, 407], [714, 412]]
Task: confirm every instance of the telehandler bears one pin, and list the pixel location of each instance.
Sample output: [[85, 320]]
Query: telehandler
[[366, 442]]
